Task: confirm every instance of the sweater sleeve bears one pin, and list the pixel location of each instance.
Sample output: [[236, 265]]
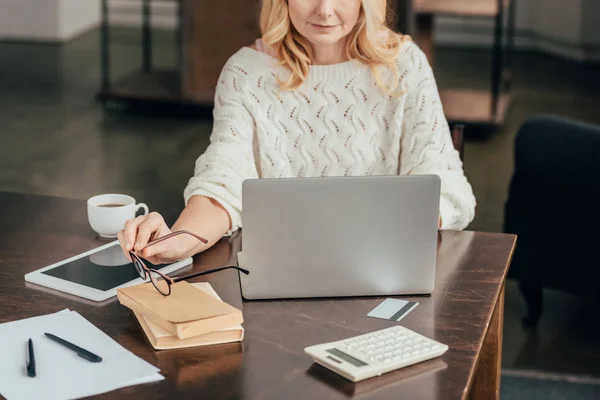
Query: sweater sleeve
[[426, 143], [229, 158]]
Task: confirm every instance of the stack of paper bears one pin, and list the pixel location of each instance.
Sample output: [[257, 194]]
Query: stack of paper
[[162, 339], [61, 373], [192, 315]]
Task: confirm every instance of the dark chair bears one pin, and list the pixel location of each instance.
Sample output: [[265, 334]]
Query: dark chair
[[553, 206]]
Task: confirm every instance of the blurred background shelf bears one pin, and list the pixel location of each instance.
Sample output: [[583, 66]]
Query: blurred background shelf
[[466, 8], [199, 57], [485, 108], [474, 107]]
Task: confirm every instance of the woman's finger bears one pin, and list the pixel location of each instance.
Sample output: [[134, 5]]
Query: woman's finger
[[152, 223], [156, 250], [130, 231], [161, 253], [121, 238]]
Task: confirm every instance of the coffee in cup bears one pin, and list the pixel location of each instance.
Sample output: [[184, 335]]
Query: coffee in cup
[[108, 213]]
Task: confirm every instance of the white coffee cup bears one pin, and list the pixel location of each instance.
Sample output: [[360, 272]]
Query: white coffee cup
[[107, 213]]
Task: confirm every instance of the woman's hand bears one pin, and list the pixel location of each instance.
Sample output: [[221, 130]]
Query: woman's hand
[[145, 228]]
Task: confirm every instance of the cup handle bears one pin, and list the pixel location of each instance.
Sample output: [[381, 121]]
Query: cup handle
[[142, 205]]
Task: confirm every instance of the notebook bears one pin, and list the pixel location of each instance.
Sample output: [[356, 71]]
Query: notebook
[[162, 339], [185, 313]]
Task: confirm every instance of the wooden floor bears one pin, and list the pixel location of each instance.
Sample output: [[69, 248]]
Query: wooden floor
[[57, 140]]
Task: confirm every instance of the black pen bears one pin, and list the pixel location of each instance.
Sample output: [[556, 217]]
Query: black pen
[[83, 353], [31, 363]]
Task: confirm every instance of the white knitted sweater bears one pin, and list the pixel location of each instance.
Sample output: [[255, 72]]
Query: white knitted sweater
[[338, 123]]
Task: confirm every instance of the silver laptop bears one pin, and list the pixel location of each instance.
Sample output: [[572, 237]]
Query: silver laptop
[[339, 236]]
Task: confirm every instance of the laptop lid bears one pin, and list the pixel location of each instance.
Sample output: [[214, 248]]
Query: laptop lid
[[339, 236]]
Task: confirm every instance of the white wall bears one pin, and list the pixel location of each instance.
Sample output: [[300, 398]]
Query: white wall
[[129, 13], [591, 28], [591, 23], [557, 19], [28, 19], [77, 17], [47, 20], [556, 27]]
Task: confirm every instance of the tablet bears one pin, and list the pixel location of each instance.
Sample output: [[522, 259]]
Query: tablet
[[96, 274]]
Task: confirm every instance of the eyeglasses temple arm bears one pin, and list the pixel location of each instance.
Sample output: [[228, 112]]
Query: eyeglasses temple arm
[[170, 235], [210, 271]]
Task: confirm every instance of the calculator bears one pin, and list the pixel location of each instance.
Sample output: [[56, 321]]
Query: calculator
[[376, 353]]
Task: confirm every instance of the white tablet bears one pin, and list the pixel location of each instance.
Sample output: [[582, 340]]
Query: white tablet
[[96, 274]]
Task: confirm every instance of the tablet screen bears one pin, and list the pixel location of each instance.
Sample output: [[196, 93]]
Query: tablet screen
[[103, 270]]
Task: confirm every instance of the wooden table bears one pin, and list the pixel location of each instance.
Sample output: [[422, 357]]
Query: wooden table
[[465, 312]]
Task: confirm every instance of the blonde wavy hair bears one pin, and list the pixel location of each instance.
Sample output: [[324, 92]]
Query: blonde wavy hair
[[370, 42]]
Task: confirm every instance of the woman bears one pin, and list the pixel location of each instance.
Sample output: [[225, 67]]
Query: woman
[[328, 90]]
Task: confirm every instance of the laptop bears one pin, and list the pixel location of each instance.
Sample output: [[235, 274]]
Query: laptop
[[339, 236]]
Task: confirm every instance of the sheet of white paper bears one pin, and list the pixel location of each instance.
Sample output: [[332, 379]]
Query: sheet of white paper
[[61, 373]]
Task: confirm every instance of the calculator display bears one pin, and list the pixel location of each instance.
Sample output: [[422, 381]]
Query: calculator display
[[346, 357]]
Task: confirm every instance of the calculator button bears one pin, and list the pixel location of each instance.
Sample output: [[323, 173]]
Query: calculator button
[[381, 351]]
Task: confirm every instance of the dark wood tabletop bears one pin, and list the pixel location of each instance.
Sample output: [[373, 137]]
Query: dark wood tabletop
[[464, 312]]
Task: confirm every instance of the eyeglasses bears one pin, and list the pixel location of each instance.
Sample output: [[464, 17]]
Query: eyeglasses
[[162, 282]]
